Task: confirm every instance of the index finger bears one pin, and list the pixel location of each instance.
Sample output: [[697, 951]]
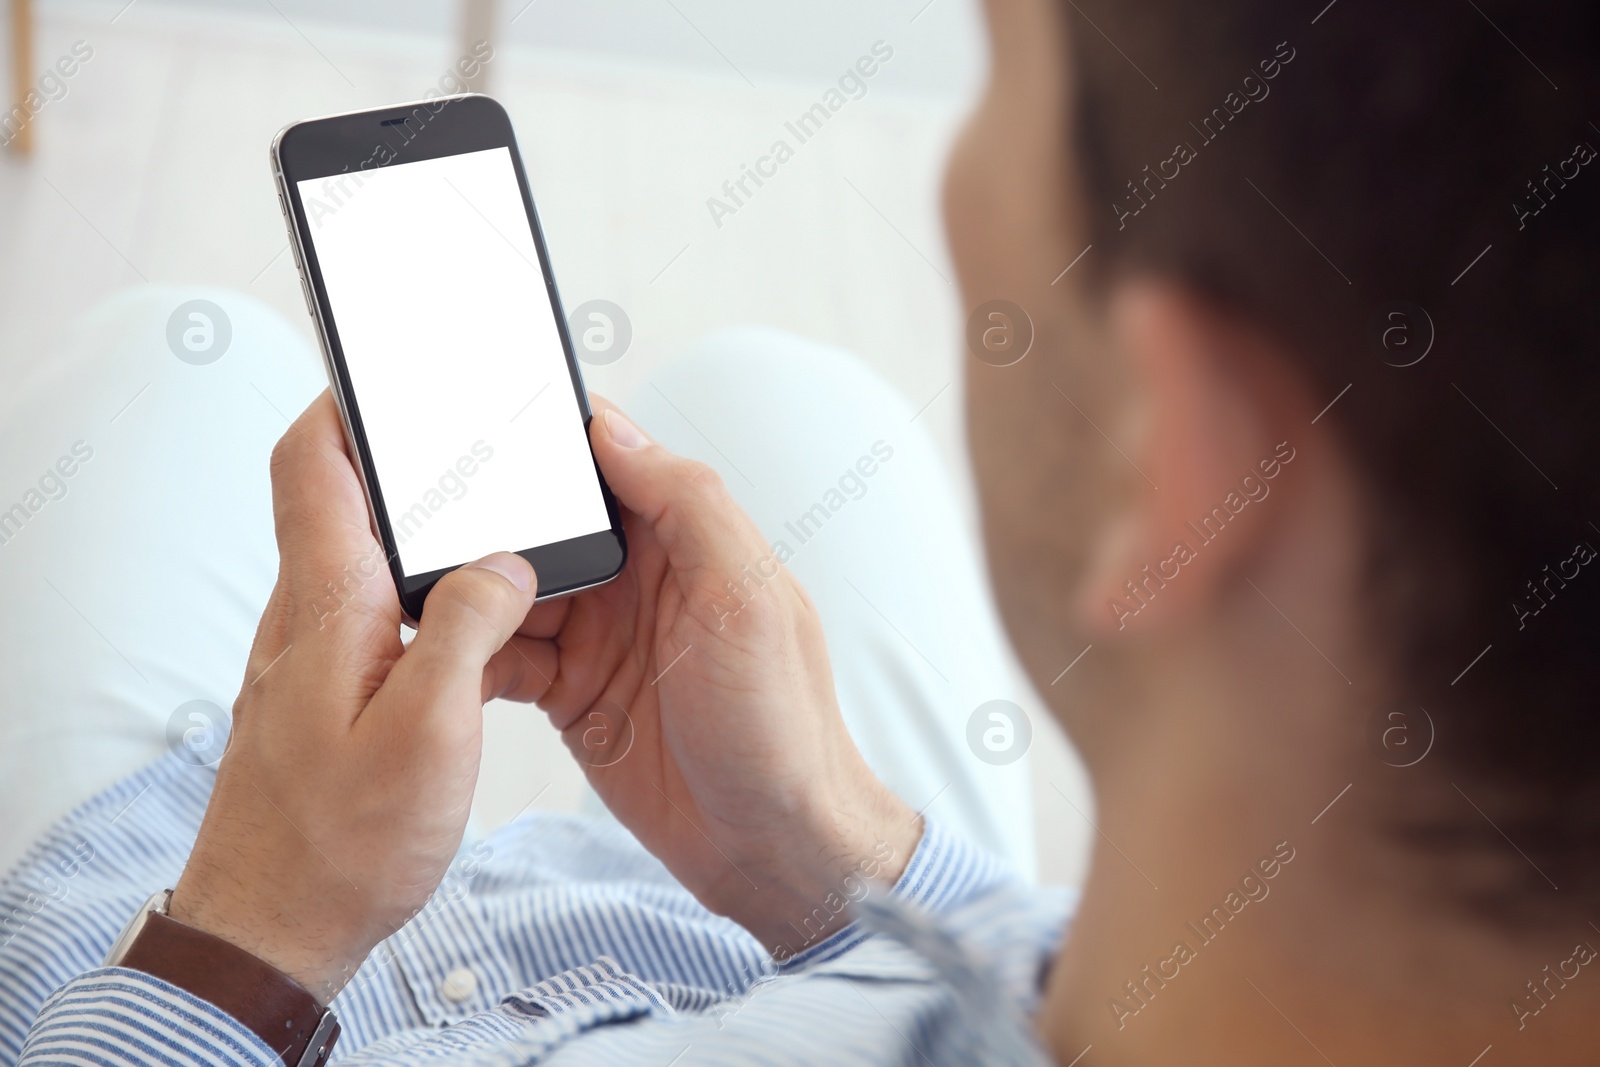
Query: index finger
[[319, 510]]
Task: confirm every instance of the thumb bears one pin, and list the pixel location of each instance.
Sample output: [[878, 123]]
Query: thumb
[[683, 501], [468, 616]]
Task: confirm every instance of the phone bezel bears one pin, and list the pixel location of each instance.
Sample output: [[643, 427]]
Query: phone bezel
[[428, 129]]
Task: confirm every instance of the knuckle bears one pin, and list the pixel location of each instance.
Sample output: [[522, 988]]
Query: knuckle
[[701, 481], [284, 454]]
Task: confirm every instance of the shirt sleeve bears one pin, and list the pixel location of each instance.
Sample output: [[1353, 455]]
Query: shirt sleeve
[[115, 1016], [944, 874]]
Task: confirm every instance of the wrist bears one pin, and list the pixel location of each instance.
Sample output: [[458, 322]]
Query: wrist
[[319, 960], [257, 881], [854, 847], [280, 1011]]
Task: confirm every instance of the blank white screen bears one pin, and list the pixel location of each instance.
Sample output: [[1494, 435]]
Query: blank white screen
[[454, 355]]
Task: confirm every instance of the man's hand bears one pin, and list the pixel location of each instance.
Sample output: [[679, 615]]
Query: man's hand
[[696, 692], [346, 785]]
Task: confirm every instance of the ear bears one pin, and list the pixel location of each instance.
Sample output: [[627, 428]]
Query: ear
[[1219, 407]]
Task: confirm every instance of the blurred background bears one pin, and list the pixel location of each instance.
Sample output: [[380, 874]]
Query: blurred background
[[150, 164]]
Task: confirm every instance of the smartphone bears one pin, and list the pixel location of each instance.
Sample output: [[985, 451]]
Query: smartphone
[[426, 273]]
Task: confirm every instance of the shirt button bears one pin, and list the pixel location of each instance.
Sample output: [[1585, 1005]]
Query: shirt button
[[459, 985]]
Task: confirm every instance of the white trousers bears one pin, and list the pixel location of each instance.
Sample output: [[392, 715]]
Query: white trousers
[[136, 548]]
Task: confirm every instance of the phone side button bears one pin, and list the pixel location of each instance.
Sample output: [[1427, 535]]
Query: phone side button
[[306, 289]]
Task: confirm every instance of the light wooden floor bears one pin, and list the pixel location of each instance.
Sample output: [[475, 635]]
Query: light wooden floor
[[154, 166]]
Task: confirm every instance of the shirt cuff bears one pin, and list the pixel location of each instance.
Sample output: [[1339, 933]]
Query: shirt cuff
[[114, 1016], [944, 873]]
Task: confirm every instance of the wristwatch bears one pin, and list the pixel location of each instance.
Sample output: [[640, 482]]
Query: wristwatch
[[280, 1010]]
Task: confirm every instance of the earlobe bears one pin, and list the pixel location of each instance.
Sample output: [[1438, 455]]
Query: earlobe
[[1211, 397]]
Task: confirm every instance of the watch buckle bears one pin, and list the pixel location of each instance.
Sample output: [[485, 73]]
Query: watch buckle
[[317, 1048]]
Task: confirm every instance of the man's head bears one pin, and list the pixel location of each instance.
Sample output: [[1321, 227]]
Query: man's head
[[1302, 446]]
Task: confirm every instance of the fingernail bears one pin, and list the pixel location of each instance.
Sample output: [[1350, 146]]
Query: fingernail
[[513, 569], [624, 432]]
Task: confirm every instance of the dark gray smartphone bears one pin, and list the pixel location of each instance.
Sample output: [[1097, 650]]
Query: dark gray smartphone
[[426, 272]]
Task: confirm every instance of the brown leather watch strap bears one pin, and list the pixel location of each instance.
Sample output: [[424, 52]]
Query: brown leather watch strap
[[280, 1010]]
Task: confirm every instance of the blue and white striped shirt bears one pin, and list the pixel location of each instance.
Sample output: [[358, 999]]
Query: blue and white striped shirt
[[556, 939]]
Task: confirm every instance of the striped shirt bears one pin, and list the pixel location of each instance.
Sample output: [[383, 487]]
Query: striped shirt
[[556, 939]]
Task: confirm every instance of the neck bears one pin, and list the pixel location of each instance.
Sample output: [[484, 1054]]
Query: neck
[[1244, 907]]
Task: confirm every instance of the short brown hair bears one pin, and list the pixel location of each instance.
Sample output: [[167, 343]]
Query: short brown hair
[[1315, 168]]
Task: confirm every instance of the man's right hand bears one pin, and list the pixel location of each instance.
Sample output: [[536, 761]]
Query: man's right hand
[[696, 691]]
